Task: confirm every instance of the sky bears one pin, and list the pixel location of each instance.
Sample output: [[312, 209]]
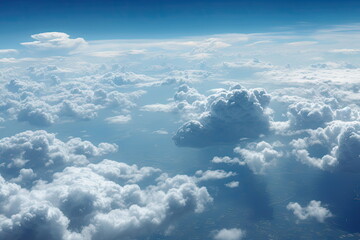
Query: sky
[[228, 120], [158, 19]]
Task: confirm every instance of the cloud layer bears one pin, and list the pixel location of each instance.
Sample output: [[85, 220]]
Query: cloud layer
[[50, 189]]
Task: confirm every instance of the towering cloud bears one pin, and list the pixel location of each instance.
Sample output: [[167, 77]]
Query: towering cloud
[[230, 115]]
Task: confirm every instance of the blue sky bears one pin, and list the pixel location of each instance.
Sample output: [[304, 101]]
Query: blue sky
[[157, 19]]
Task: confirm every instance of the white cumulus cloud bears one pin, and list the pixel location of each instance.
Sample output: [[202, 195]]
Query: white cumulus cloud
[[312, 210], [229, 234]]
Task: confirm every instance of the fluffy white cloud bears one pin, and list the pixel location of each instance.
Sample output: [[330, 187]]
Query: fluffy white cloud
[[34, 155], [259, 156], [187, 101], [105, 200], [335, 145], [48, 101], [120, 172], [232, 184], [312, 210], [37, 113], [227, 160], [304, 115], [230, 234], [80, 204], [230, 115], [54, 40]]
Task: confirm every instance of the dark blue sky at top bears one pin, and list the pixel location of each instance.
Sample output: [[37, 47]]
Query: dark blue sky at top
[[107, 19]]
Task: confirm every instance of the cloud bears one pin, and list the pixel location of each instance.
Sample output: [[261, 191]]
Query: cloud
[[259, 156], [316, 73], [335, 147], [124, 78], [80, 204], [312, 210], [185, 77], [161, 132], [85, 111], [227, 160], [230, 115], [233, 184], [302, 43], [305, 115], [34, 155], [250, 64], [187, 101], [258, 42], [49, 97], [210, 45], [229, 234], [113, 54], [84, 200], [8, 51], [346, 51], [8, 60], [123, 173], [157, 107], [120, 119], [36, 113], [54, 40], [213, 175]]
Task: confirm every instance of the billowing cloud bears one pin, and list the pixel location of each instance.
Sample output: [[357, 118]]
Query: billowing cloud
[[312, 210], [230, 115], [259, 156], [47, 100], [104, 200], [35, 155], [333, 147], [305, 115]]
